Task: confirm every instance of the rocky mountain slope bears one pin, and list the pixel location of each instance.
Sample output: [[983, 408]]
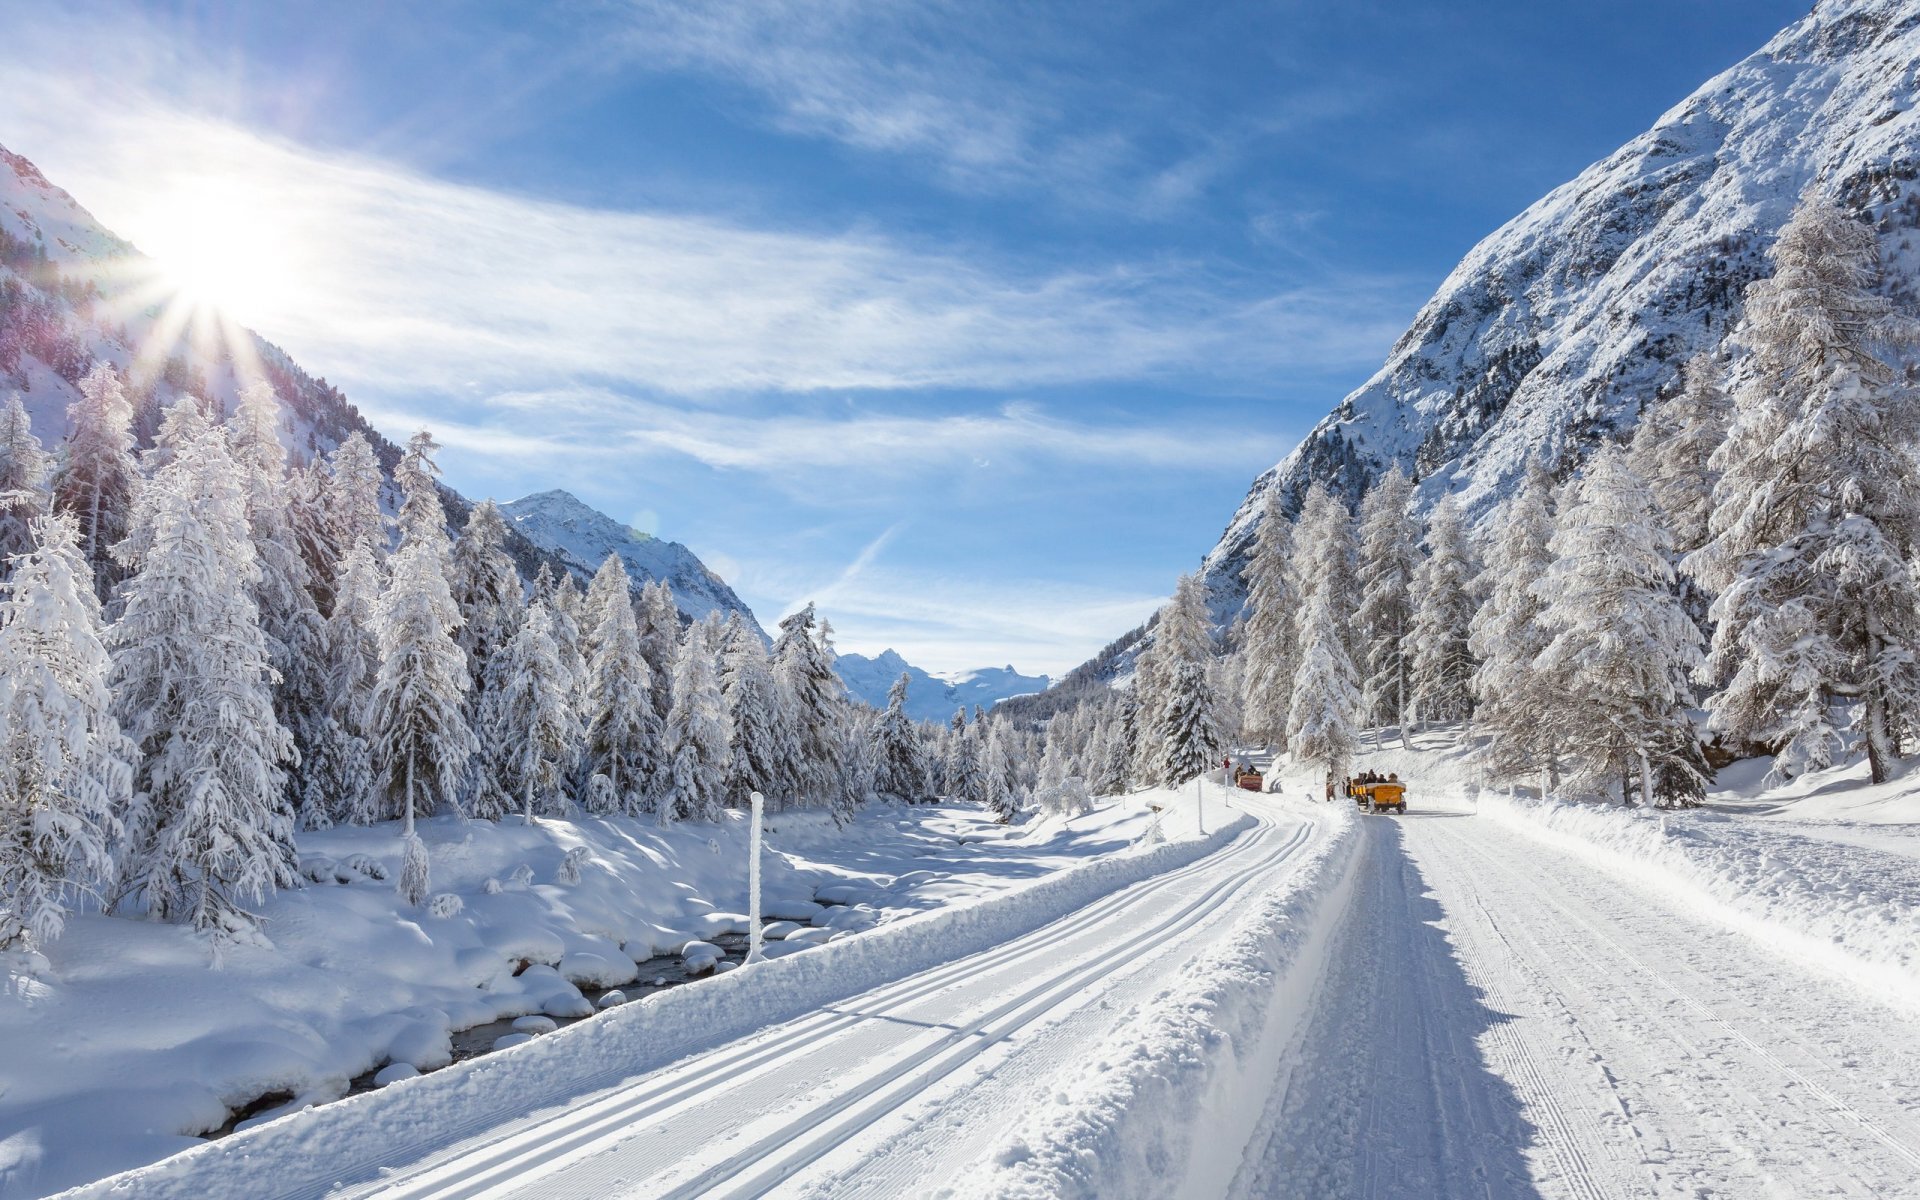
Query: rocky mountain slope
[[932, 697], [581, 537], [1554, 331]]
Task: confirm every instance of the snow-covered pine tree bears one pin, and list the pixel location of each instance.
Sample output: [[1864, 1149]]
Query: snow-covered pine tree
[[1673, 448], [313, 532], [66, 770], [1444, 605], [1507, 636], [1623, 649], [211, 829], [1324, 727], [1389, 557], [698, 740], [900, 770], [417, 718], [284, 589], [1325, 555], [610, 585], [761, 748], [624, 735], [97, 474], [337, 786], [1190, 737], [1323, 567], [1054, 754], [961, 771], [183, 422], [859, 768], [997, 774], [353, 496], [567, 608], [1816, 519], [531, 727], [487, 590], [659, 620], [23, 482], [1112, 751], [803, 664], [1150, 679], [1270, 641]]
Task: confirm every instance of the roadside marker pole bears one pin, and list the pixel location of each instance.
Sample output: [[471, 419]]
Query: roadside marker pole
[[753, 881]]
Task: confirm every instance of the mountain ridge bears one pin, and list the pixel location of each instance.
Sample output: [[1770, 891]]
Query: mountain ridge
[[930, 696], [1555, 329], [581, 537]]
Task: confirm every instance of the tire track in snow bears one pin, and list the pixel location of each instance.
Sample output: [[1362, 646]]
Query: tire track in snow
[[1558, 932], [1699, 1007]]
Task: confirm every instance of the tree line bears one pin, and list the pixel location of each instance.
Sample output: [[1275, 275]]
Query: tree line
[[1750, 550], [205, 647]]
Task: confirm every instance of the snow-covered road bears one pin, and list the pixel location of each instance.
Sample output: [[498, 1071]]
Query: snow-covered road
[[1501, 1019]]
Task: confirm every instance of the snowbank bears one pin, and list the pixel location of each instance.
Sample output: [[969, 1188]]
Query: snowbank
[[1849, 909], [1194, 1062], [303, 1153]]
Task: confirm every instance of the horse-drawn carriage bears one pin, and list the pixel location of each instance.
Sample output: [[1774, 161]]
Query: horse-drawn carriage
[[1372, 792]]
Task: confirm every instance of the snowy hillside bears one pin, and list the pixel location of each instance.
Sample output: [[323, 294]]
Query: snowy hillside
[[582, 537], [1554, 331], [72, 294], [932, 697]]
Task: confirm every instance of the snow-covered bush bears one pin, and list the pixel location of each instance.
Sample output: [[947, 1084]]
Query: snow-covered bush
[[576, 858], [1069, 798], [446, 904]]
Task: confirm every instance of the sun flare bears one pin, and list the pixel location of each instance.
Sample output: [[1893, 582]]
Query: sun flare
[[219, 248]]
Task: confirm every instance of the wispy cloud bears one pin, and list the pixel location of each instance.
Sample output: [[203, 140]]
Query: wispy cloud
[[943, 81], [408, 282]]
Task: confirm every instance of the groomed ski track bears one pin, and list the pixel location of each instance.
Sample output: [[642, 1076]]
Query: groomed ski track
[[893, 1090]]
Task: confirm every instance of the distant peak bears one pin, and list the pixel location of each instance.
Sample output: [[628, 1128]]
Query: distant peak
[[550, 496]]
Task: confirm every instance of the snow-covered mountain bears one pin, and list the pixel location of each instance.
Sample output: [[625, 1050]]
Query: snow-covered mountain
[[582, 536], [932, 697], [1551, 334]]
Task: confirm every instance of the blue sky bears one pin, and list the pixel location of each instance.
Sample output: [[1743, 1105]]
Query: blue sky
[[972, 321]]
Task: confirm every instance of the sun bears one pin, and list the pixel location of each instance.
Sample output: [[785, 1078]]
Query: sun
[[219, 246], [217, 258]]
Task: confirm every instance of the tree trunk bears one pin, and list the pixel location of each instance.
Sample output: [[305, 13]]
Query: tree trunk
[[1646, 780], [1880, 753]]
